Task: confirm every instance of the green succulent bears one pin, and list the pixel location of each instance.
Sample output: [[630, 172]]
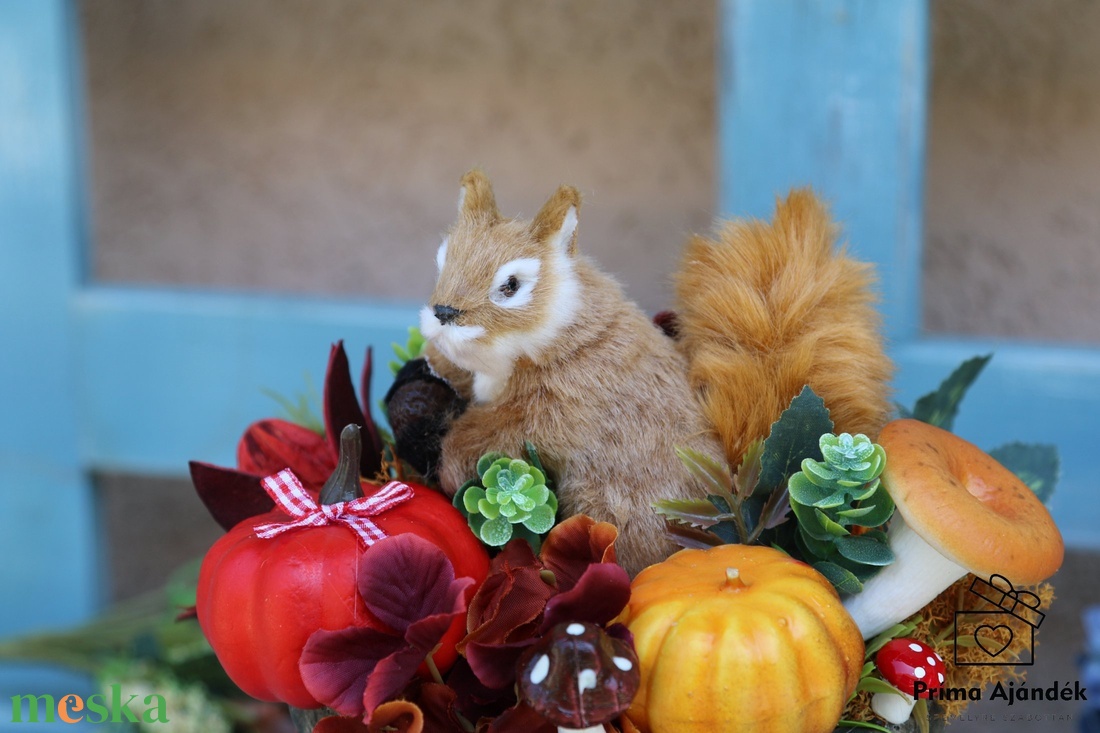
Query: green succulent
[[510, 498], [831, 496]]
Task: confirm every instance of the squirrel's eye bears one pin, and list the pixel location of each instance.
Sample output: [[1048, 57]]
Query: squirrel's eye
[[510, 287]]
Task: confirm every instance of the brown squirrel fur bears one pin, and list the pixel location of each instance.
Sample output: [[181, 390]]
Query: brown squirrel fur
[[592, 383], [566, 361], [767, 307]]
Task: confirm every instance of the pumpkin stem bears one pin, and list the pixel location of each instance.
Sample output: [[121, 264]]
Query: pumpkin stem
[[733, 579], [343, 484]]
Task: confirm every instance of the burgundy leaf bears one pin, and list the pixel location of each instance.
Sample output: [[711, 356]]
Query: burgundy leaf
[[336, 665], [426, 633], [599, 596], [229, 495], [622, 633], [438, 703], [495, 664], [187, 613], [508, 604], [521, 718], [389, 678], [372, 446], [473, 699], [269, 446], [405, 578], [341, 407], [340, 724], [575, 544]]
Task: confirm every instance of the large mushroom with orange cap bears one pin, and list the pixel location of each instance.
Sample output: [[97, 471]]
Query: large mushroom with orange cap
[[960, 512]]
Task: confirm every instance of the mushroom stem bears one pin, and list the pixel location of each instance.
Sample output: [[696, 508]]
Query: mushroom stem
[[893, 707], [918, 574]]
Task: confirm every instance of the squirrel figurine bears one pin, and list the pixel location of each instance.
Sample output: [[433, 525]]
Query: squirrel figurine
[[542, 346]]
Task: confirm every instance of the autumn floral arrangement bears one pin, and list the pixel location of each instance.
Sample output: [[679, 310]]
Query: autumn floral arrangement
[[347, 587]]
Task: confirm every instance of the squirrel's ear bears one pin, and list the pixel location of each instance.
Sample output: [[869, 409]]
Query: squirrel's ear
[[556, 222], [476, 198]]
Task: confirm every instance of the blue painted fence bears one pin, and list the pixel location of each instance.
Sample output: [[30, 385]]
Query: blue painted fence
[[826, 92]]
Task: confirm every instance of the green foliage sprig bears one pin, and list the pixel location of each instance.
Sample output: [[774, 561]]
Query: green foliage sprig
[[413, 349], [510, 498], [832, 495]]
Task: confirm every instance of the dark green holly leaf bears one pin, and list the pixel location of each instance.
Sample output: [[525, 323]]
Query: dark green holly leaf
[[793, 437], [843, 580], [1036, 465], [939, 408], [865, 550]]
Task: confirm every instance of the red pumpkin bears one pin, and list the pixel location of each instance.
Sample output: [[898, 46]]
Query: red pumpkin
[[260, 599]]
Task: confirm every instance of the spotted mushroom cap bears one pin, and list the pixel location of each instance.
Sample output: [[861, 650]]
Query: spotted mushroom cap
[[578, 676], [904, 661]]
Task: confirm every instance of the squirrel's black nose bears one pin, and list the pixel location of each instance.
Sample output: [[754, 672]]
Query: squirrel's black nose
[[445, 313]]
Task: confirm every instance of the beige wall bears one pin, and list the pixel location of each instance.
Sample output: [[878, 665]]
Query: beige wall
[[317, 146], [314, 146], [1013, 190]]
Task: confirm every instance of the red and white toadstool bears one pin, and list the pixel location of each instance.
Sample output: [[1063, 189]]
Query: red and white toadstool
[[903, 663]]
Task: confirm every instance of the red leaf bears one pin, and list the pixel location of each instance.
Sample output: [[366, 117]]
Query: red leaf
[[495, 664], [269, 446], [575, 544], [406, 580], [340, 405], [511, 599], [336, 665], [521, 718], [229, 495], [372, 446], [473, 699], [599, 596], [438, 705], [340, 724], [390, 678]]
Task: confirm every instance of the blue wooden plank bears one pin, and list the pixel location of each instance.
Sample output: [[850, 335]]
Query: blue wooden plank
[[1031, 393], [167, 376], [831, 93], [47, 528]]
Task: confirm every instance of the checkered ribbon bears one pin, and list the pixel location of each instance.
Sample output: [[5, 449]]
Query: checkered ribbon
[[289, 495]]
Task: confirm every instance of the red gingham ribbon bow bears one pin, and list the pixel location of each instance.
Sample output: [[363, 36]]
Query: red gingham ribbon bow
[[289, 495]]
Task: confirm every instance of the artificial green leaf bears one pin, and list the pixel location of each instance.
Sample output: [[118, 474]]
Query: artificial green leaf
[[812, 547], [496, 532], [804, 491], [488, 509], [507, 510], [793, 437], [472, 497], [843, 580], [920, 715], [538, 493], [521, 532], [540, 520], [1036, 465], [486, 461], [714, 476], [809, 522], [523, 502], [883, 505], [848, 516], [899, 629], [492, 494], [519, 517], [696, 512], [865, 551], [476, 522], [939, 408], [876, 685], [832, 527], [747, 476]]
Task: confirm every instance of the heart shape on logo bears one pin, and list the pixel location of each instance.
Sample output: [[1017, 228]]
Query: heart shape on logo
[[989, 643]]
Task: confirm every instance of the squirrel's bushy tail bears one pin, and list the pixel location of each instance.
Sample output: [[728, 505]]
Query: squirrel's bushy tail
[[767, 307]]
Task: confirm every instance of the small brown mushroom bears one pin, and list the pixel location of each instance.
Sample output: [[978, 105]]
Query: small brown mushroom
[[578, 676]]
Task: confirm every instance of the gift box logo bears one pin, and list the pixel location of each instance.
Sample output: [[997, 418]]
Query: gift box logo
[[994, 631]]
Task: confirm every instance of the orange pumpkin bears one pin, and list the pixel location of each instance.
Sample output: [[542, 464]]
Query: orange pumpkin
[[740, 639]]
